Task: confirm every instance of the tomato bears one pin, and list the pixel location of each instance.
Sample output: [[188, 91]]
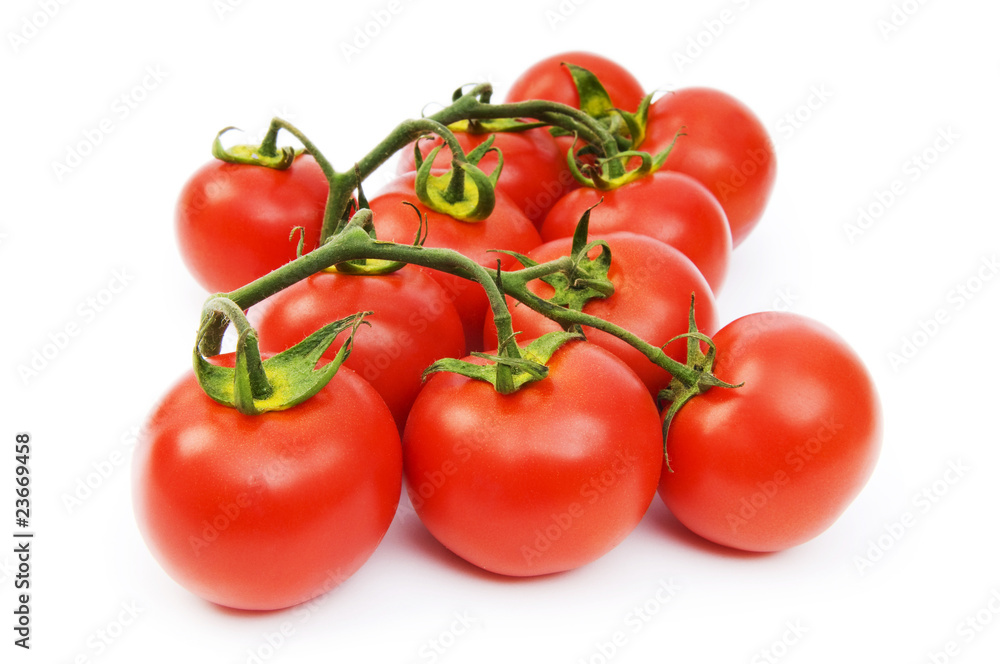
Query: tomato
[[725, 147], [414, 324], [505, 228], [543, 480], [233, 221], [264, 512], [548, 79], [653, 285], [774, 463], [534, 172], [671, 207]]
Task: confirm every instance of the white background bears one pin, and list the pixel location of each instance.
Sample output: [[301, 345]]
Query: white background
[[879, 98]]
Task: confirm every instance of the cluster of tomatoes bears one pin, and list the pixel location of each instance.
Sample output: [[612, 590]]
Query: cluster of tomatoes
[[266, 511]]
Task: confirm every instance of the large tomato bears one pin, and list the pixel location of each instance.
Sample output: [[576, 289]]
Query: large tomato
[[505, 228], [534, 172], [264, 512], [724, 146], [414, 324], [543, 480], [671, 207], [548, 79], [653, 286], [774, 463], [233, 221]]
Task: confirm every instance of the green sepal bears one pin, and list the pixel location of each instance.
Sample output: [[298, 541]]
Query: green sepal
[[677, 393], [635, 122], [475, 196], [587, 279], [280, 382], [253, 155], [529, 368]]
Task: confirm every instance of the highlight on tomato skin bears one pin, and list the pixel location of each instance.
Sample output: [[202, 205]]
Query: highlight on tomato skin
[[543, 480], [233, 221], [774, 463], [724, 146], [264, 512]]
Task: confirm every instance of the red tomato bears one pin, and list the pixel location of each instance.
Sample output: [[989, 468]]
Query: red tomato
[[774, 463], [413, 325], [234, 220], [725, 147], [548, 79], [543, 480], [264, 512], [534, 172], [653, 285], [671, 207], [505, 228]]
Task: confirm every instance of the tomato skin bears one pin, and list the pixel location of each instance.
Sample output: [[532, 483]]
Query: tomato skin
[[543, 480], [653, 285], [774, 463], [548, 79], [413, 324], [725, 147], [505, 228], [671, 207], [233, 221], [534, 175], [264, 512]]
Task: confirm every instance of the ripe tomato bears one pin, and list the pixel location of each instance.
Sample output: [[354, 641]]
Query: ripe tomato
[[725, 147], [264, 512], [234, 220], [414, 324], [548, 79], [543, 480], [505, 228], [534, 172], [653, 285], [774, 463], [671, 207]]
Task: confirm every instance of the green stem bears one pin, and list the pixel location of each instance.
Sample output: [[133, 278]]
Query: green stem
[[353, 243], [515, 285]]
